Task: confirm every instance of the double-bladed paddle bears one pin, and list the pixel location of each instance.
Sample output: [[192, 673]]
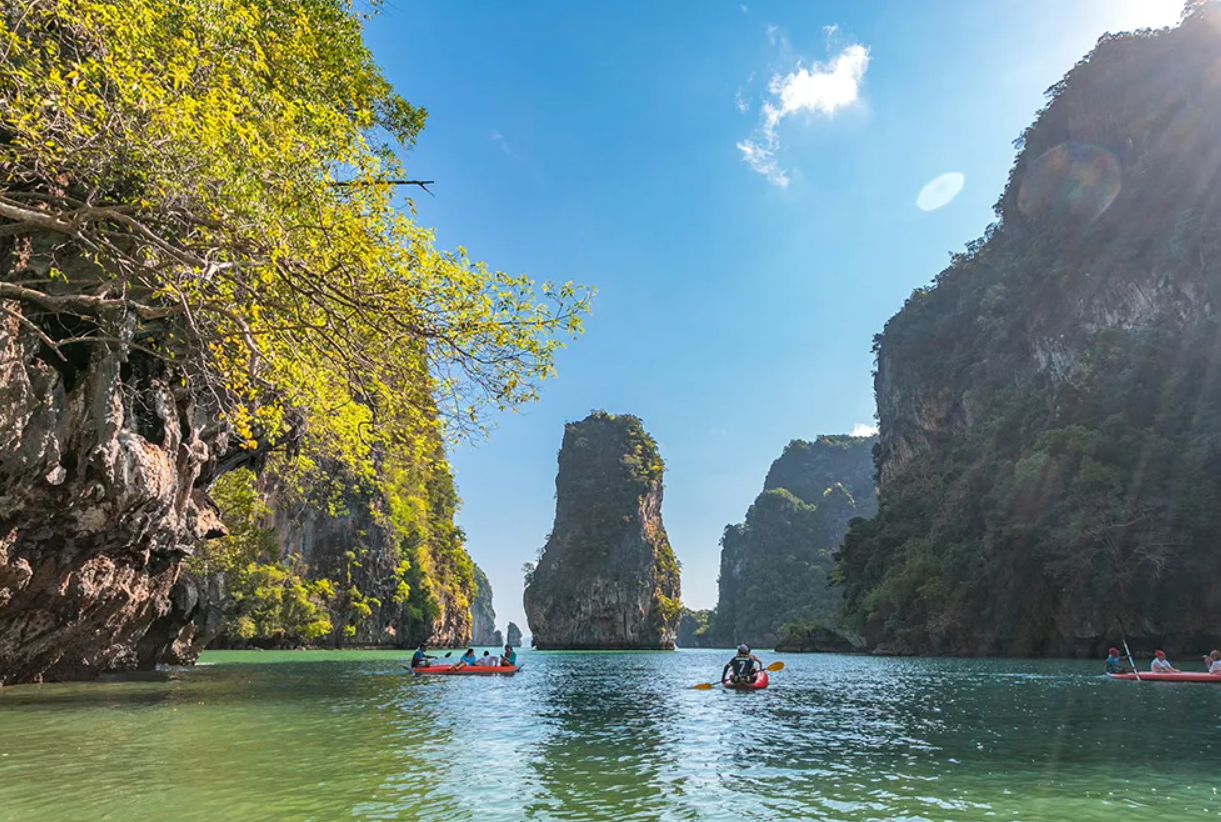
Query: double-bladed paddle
[[707, 686]]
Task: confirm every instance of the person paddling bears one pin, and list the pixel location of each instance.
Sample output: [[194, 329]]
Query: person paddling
[[745, 667], [1161, 665], [1114, 665], [420, 659]]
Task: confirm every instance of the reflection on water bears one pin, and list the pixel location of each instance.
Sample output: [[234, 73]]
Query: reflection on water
[[350, 736]]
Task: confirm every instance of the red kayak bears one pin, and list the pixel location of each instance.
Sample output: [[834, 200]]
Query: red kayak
[[759, 684], [1168, 677], [466, 670]]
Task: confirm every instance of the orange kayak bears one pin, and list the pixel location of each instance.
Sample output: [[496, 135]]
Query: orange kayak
[[466, 670], [1188, 676]]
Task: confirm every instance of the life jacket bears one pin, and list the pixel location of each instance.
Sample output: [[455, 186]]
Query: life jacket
[[743, 667]]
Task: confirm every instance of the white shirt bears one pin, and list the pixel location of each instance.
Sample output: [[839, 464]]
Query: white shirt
[[1215, 668], [1160, 666], [490, 661]]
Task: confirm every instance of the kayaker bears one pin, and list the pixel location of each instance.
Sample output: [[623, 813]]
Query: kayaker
[[489, 661], [745, 666], [1114, 665], [1213, 661], [468, 658], [509, 657], [420, 659], [1161, 665]]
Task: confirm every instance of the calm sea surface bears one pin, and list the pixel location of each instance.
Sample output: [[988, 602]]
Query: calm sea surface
[[352, 736]]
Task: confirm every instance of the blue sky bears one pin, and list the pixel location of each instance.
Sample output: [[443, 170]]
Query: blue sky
[[740, 183]]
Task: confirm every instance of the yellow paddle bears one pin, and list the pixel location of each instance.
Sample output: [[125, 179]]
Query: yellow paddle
[[707, 686]]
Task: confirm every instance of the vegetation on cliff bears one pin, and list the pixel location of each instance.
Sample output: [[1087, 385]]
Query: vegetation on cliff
[[607, 576], [1049, 406], [203, 191], [775, 566], [694, 629]]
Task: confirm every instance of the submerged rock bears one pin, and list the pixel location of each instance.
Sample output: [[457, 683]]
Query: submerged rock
[[607, 577]]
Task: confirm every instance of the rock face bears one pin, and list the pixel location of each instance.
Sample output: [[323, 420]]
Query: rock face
[[483, 615], [102, 457], [391, 580], [694, 629], [818, 639], [607, 577], [1049, 406], [513, 635], [775, 566]]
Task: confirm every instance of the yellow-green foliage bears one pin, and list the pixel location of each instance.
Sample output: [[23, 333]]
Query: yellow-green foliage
[[192, 150], [215, 179], [276, 601], [267, 600]]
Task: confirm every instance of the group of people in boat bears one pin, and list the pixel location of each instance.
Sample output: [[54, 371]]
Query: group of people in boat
[[421, 659], [1160, 664]]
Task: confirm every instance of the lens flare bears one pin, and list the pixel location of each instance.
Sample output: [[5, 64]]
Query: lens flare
[[1073, 180]]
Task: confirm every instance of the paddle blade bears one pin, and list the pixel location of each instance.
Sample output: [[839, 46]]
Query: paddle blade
[[704, 686], [448, 655], [776, 666]]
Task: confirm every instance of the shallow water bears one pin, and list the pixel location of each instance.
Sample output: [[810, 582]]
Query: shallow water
[[351, 735]]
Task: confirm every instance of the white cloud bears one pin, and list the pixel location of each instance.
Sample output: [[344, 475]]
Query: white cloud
[[745, 8], [863, 430], [772, 31], [740, 101], [819, 89], [940, 191]]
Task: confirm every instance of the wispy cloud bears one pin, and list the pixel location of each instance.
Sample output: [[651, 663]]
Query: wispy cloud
[[739, 98], [745, 8], [823, 88], [863, 430], [499, 139]]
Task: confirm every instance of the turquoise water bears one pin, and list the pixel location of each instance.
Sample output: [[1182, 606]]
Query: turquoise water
[[352, 736]]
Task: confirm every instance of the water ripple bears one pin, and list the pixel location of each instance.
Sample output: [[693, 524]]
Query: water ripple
[[349, 736]]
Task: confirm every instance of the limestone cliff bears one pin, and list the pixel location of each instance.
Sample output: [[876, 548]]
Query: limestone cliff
[[351, 571], [513, 635], [607, 577], [775, 566], [483, 615], [1049, 406], [103, 456]]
